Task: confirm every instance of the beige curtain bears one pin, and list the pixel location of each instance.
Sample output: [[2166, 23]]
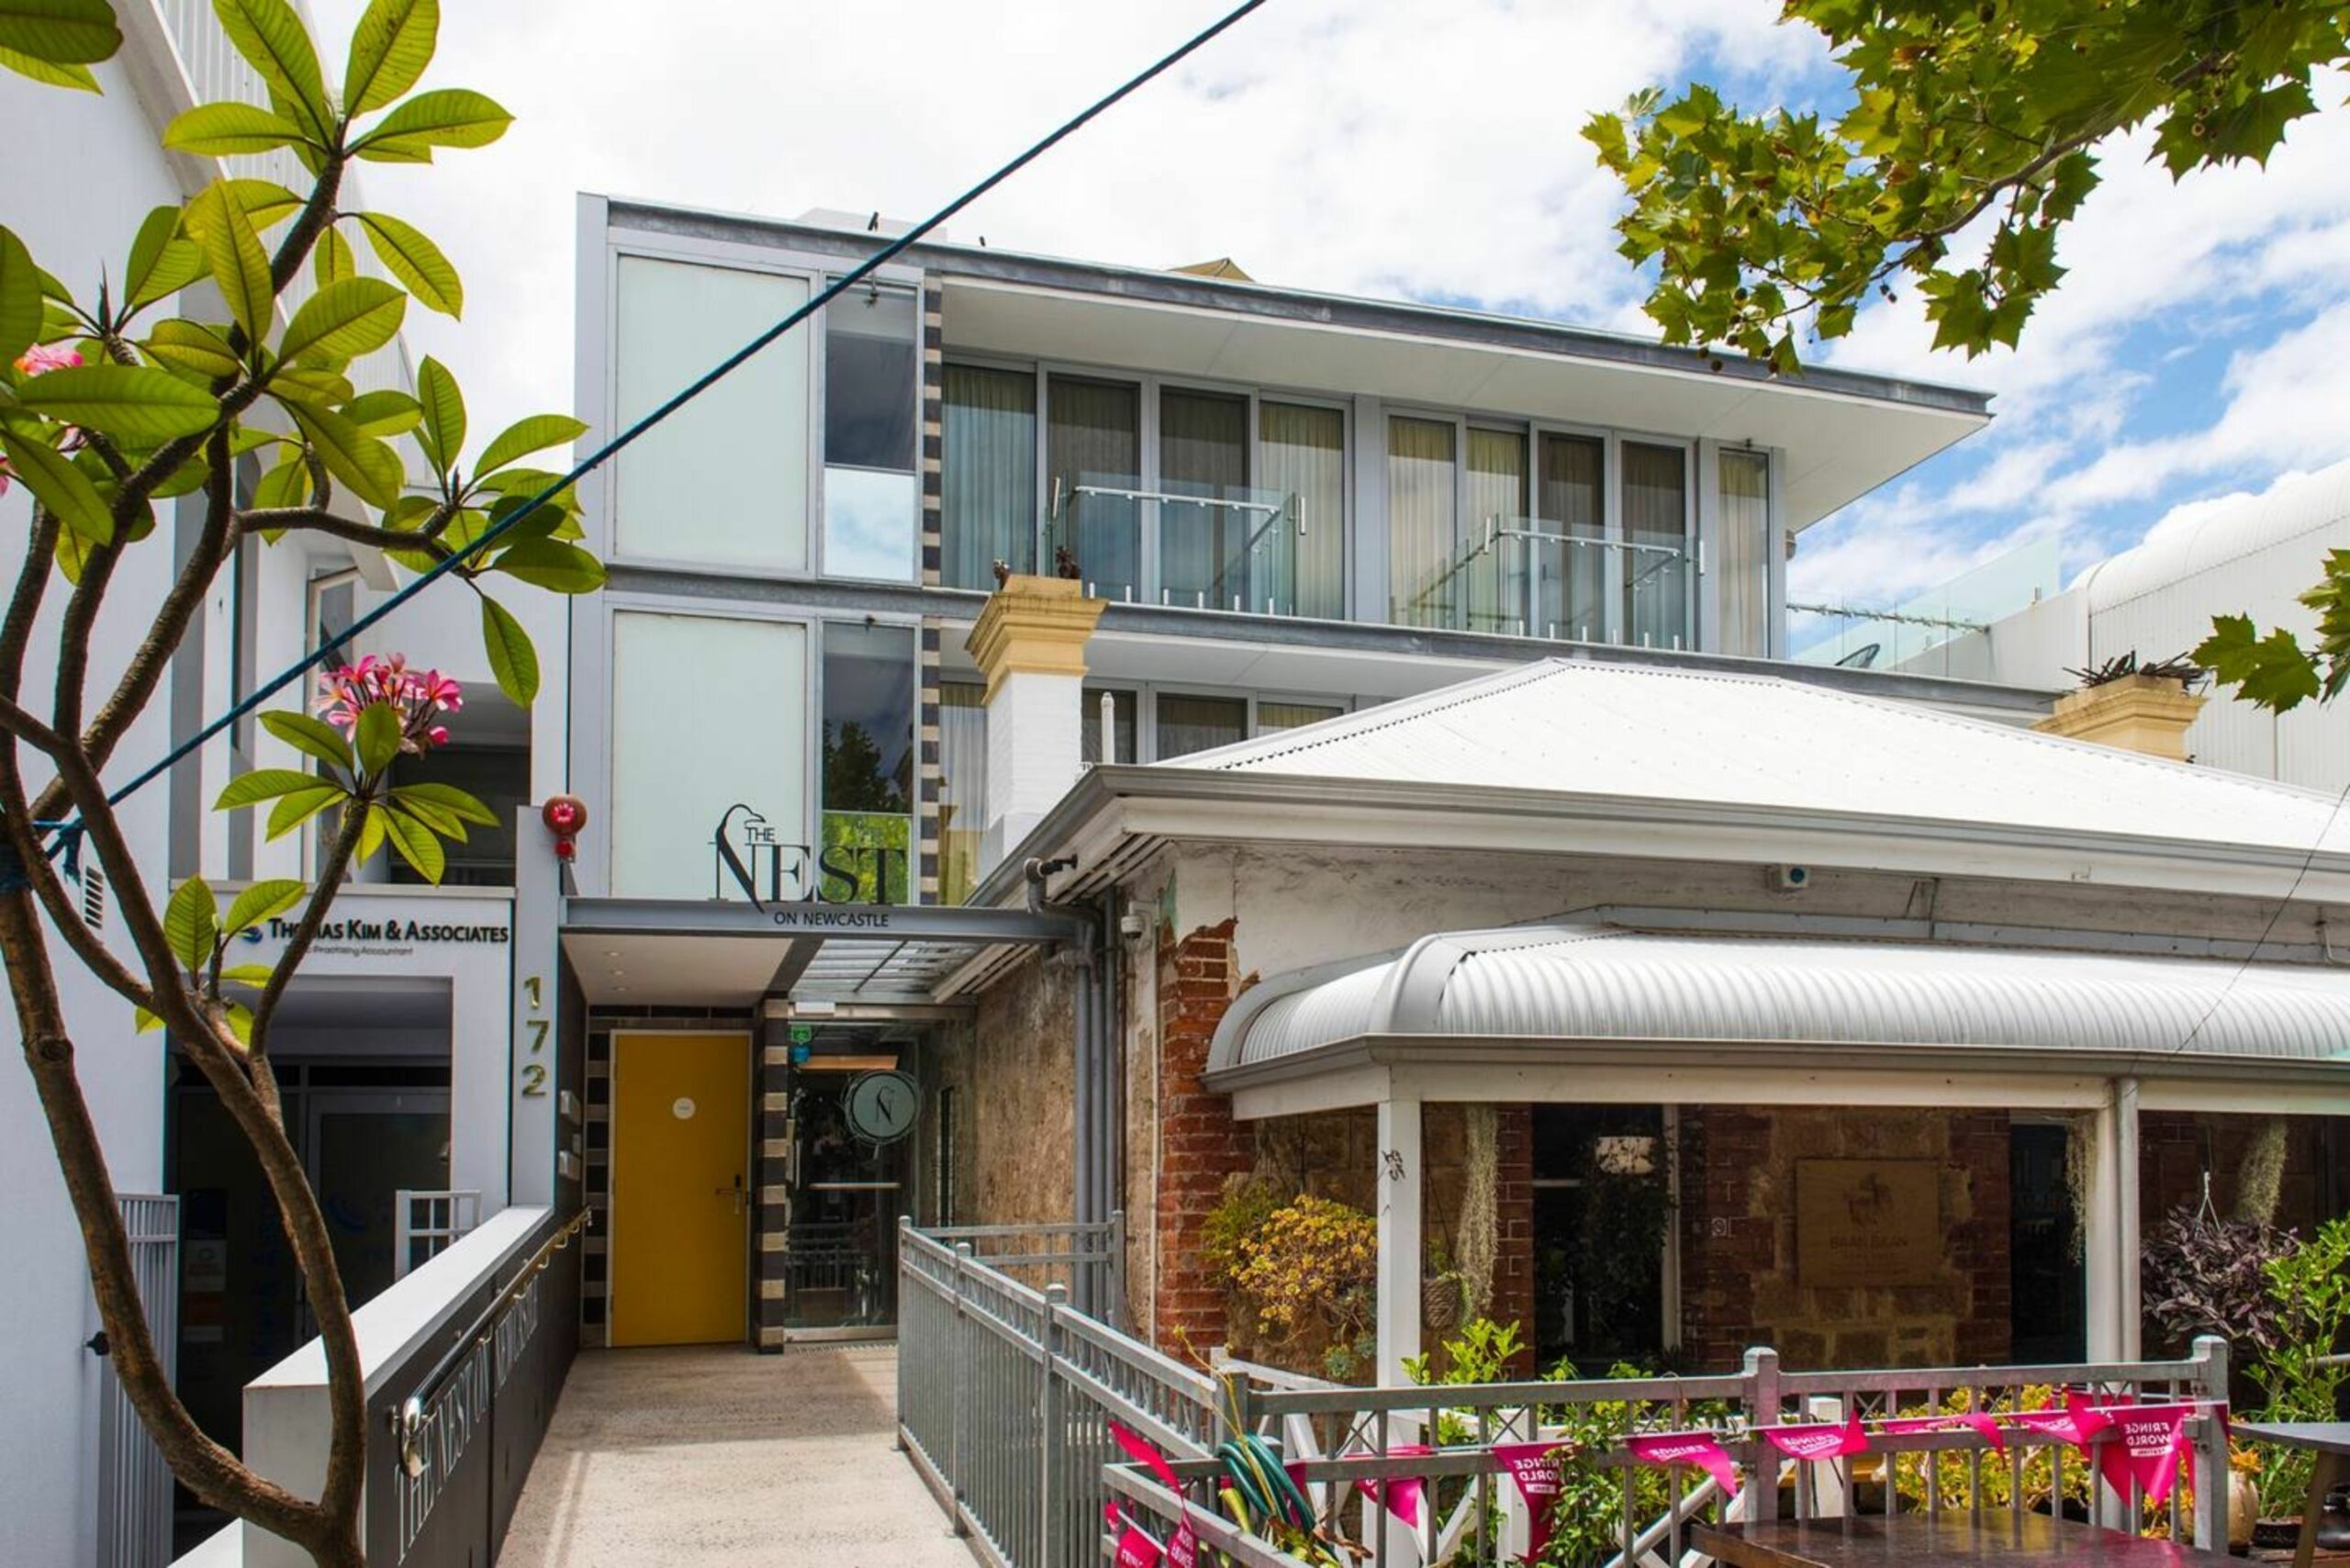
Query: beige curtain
[[1304, 453], [1744, 573], [962, 786], [1570, 602], [1423, 507], [988, 474], [1093, 436], [1204, 450], [1656, 511], [1490, 589]]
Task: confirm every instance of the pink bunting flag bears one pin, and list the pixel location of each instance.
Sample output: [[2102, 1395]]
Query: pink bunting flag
[[2075, 1427], [1402, 1494], [1183, 1551], [1535, 1468], [1702, 1449], [1142, 1451], [1137, 1550], [1983, 1423], [1820, 1442], [2152, 1440]]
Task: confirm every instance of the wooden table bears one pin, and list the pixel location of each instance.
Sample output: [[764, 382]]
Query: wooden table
[[2330, 1441], [1995, 1540]]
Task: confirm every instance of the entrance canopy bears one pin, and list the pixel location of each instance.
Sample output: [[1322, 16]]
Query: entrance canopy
[[1714, 1008], [649, 952]]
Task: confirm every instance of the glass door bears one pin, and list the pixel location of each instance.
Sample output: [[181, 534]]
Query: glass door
[[849, 1179]]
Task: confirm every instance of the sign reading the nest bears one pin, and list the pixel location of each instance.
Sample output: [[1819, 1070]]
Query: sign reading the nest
[[1868, 1222]]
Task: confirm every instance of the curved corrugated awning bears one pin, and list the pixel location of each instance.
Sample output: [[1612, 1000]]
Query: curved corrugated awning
[[1587, 982]]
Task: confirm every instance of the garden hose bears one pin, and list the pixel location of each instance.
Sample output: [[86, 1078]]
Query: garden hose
[[1257, 1475]]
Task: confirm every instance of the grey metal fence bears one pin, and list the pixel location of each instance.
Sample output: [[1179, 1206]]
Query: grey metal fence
[[134, 1490], [1005, 1393]]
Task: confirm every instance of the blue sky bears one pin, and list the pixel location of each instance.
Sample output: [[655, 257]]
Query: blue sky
[[1421, 149]]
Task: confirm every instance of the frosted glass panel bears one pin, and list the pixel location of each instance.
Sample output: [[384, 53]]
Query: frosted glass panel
[[723, 481], [706, 712]]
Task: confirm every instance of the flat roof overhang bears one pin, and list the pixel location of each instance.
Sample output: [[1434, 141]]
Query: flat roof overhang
[[830, 959], [1367, 1069]]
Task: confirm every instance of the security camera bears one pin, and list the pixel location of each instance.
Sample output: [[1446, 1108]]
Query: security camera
[[1131, 925], [1791, 878]]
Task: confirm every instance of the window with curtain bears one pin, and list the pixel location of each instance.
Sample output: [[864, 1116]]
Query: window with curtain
[[1205, 557], [1495, 571], [988, 474], [673, 501], [872, 482], [1656, 514], [1423, 508], [1094, 439], [1570, 594], [1744, 574], [868, 777], [685, 751], [962, 786], [1274, 717], [1188, 724], [1123, 708], [1301, 456]]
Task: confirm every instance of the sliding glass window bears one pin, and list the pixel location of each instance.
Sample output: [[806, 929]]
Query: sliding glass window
[[1571, 577], [868, 763], [872, 481], [1656, 536], [722, 482], [1207, 548], [1302, 452], [988, 475], [1093, 457], [1495, 564], [1423, 515], [1744, 574], [1188, 724]]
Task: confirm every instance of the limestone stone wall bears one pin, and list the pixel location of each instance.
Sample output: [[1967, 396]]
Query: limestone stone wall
[[1740, 1284], [1021, 1088]]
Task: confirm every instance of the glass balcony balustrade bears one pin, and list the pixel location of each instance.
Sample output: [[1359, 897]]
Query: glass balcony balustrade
[[1522, 576], [1219, 547]]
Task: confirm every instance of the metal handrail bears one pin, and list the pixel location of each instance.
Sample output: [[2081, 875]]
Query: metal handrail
[[408, 1418]]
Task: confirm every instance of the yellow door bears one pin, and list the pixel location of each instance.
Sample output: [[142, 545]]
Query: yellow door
[[681, 1198]]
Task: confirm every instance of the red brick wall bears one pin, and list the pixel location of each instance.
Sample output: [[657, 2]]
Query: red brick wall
[[1198, 1144]]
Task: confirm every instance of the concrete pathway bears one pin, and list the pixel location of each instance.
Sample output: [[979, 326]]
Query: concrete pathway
[[714, 1458]]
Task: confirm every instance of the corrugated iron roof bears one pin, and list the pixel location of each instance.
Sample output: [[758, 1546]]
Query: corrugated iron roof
[[1724, 739], [1582, 981]]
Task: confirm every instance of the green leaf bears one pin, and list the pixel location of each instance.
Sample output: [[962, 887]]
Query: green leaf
[[271, 36], [449, 116], [344, 320], [49, 74], [292, 811], [310, 383], [447, 798], [190, 922], [261, 901], [263, 784], [386, 413], [332, 260], [417, 845], [444, 436], [416, 261], [239, 1019], [311, 736], [377, 737], [64, 489], [61, 32], [552, 564], [527, 435], [147, 1022], [438, 818], [230, 131], [284, 486], [20, 296], [192, 346], [390, 49], [161, 261], [265, 202], [72, 554], [136, 404], [254, 975], [372, 829], [371, 469], [2272, 672], [239, 266], [512, 659]]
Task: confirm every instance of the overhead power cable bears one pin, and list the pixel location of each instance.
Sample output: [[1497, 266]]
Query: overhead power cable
[[70, 831]]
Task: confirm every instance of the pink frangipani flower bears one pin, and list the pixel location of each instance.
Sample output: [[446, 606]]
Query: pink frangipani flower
[[42, 358], [418, 697]]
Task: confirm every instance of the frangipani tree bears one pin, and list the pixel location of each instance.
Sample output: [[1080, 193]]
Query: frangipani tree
[[114, 399]]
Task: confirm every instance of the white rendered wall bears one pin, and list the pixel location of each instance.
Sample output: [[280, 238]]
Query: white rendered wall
[[82, 171], [1035, 749]]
